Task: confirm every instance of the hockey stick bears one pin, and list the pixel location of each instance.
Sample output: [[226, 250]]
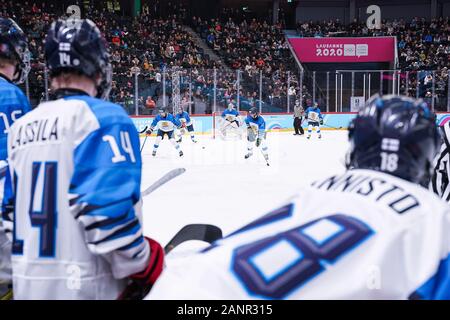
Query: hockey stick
[[145, 129], [202, 232], [142, 147], [164, 179], [7, 296], [323, 124], [337, 128]]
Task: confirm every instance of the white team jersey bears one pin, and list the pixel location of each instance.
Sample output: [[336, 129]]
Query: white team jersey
[[166, 126], [313, 116], [361, 235], [75, 165]]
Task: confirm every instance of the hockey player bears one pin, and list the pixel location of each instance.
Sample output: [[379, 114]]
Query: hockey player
[[230, 119], [315, 119], [76, 171], [369, 233], [256, 133], [14, 68], [186, 123], [166, 124]]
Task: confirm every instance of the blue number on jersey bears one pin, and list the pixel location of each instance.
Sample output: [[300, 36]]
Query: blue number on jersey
[[45, 219], [305, 249]]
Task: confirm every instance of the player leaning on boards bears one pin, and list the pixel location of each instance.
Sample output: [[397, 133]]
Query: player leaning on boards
[[256, 133], [378, 235], [166, 124], [76, 171], [14, 68]]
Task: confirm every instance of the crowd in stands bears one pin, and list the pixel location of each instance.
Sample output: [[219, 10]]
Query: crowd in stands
[[423, 47], [256, 48], [255, 52]]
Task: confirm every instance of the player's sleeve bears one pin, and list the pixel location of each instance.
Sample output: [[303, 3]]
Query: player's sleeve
[[437, 286], [6, 192], [5, 242], [261, 127], [155, 122], [224, 114], [23, 102], [104, 197], [177, 122], [247, 121], [188, 119]]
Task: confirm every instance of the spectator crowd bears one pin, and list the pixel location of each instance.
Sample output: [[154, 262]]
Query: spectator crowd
[[254, 58]]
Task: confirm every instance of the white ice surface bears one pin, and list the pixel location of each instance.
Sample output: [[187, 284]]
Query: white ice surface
[[222, 188]]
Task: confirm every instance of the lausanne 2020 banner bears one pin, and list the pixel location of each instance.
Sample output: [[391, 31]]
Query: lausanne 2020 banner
[[323, 50]]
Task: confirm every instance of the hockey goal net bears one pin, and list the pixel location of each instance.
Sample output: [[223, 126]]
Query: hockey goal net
[[226, 130]]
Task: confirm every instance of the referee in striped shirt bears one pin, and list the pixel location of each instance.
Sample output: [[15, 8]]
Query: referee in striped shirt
[[298, 117], [439, 183]]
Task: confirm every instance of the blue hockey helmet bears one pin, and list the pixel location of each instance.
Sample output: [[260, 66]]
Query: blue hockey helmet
[[76, 45], [162, 110], [254, 112], [14, 47], [396, 135]]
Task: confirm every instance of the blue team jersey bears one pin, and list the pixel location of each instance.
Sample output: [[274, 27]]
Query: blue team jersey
[[256, 123], [184, 117], [167, 123], [313, 114], [13, 105]]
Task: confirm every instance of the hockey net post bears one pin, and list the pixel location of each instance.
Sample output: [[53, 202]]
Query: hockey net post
[[219, 122]]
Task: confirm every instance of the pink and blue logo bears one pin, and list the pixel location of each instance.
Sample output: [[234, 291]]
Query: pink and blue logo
[[443, 119]]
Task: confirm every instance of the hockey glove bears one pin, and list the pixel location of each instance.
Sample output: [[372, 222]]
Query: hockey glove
[[141, 283], [149, 131], [258, 142]]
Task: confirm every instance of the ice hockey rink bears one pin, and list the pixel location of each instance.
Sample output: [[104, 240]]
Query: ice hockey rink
[[220, 187]]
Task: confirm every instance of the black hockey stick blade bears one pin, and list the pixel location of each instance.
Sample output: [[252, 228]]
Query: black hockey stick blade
[[164, 179], [203, 232], [143, 130]]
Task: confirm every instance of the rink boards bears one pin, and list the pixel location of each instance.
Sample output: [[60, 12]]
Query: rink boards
[[203, 124]]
